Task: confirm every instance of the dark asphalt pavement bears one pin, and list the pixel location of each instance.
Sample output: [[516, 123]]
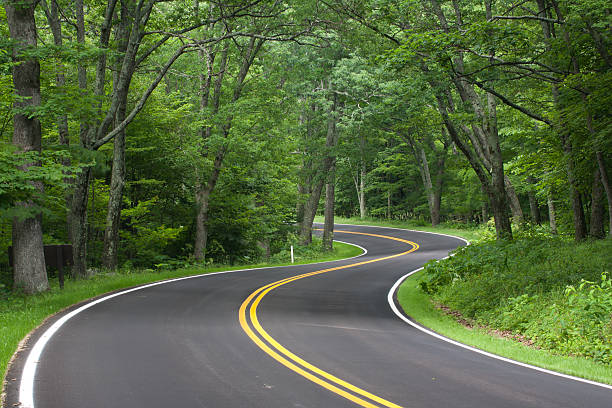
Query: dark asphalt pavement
[[181, 345]]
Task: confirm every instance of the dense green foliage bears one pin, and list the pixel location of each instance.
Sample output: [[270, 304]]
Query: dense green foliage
[[241, 117], [418, 305], [553, 292], [179, 133]]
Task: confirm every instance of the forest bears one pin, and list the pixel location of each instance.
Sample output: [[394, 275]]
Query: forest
[[151, 134]]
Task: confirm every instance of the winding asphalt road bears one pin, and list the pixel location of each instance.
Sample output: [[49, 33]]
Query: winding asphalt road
[[325, 339]]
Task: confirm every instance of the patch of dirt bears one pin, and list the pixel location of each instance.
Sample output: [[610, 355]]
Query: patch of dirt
[[471, 324]]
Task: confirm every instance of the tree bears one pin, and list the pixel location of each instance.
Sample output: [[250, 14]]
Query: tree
[[28, 257]]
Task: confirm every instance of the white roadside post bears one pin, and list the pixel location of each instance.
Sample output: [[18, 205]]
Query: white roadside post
[[292, 254]]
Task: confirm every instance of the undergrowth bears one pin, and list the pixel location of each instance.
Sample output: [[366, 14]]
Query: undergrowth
[[552, 291]]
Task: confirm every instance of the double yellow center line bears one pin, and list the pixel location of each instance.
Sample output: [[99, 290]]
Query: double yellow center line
[[250, 324]]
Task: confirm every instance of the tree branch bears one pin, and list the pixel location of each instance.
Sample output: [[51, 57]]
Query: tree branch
[[143, 99], [548, 20]]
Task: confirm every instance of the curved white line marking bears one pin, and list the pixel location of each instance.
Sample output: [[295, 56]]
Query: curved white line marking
[[26, 386], [465, 346], [365, 251]]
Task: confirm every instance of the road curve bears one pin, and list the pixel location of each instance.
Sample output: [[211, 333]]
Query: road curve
[[186, 343]]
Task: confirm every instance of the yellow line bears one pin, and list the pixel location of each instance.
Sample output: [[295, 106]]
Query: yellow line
[[264, 290]]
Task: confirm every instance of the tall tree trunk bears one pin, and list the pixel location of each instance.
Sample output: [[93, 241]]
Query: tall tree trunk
[[580, 230], [52, 14], [81, 67], [491, 183], [310, 210], [606, 184], [437, 188], [514, 202], [552, 216], [60, 78], [426, 176], [330, 186], [563, 130], [484, 213], [201, 239], [433, 193], [78, 223], [361, 193], [533, 202], [597, 210], [203, 193], [29, 267], [88, 131], [362, 176], [113, 214], [359, 181], [328, 226]]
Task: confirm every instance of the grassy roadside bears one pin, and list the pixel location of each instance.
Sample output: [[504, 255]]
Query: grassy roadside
[[19, 315], [419, 306]]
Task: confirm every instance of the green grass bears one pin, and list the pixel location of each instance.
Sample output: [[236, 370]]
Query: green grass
[[418, 306], [468, 233], [19, 315]]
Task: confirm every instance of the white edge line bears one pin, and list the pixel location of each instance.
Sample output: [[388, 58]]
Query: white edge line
[[401, 315], [26, 386]]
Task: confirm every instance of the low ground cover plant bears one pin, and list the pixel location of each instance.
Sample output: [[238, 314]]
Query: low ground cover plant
[[550, 290]]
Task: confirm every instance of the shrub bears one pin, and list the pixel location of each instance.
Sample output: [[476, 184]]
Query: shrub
[[551, 290]]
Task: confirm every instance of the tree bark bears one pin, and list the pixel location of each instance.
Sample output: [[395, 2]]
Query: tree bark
[[113, 214], [78, 209], [533, 202], [552, 217], [437, 188], [330, 186], [432, 192], [29, 267], [328, 226], [580, 230], [606, 185], [515, 205], [201, 239], [484, 154], [52, 14], [60, 78], [203, 201], [362, 176], [564, 133], [490, 178], [204, 191], [597, 210], [361, 193], [310, 209], [78, 223], [484, 213]]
